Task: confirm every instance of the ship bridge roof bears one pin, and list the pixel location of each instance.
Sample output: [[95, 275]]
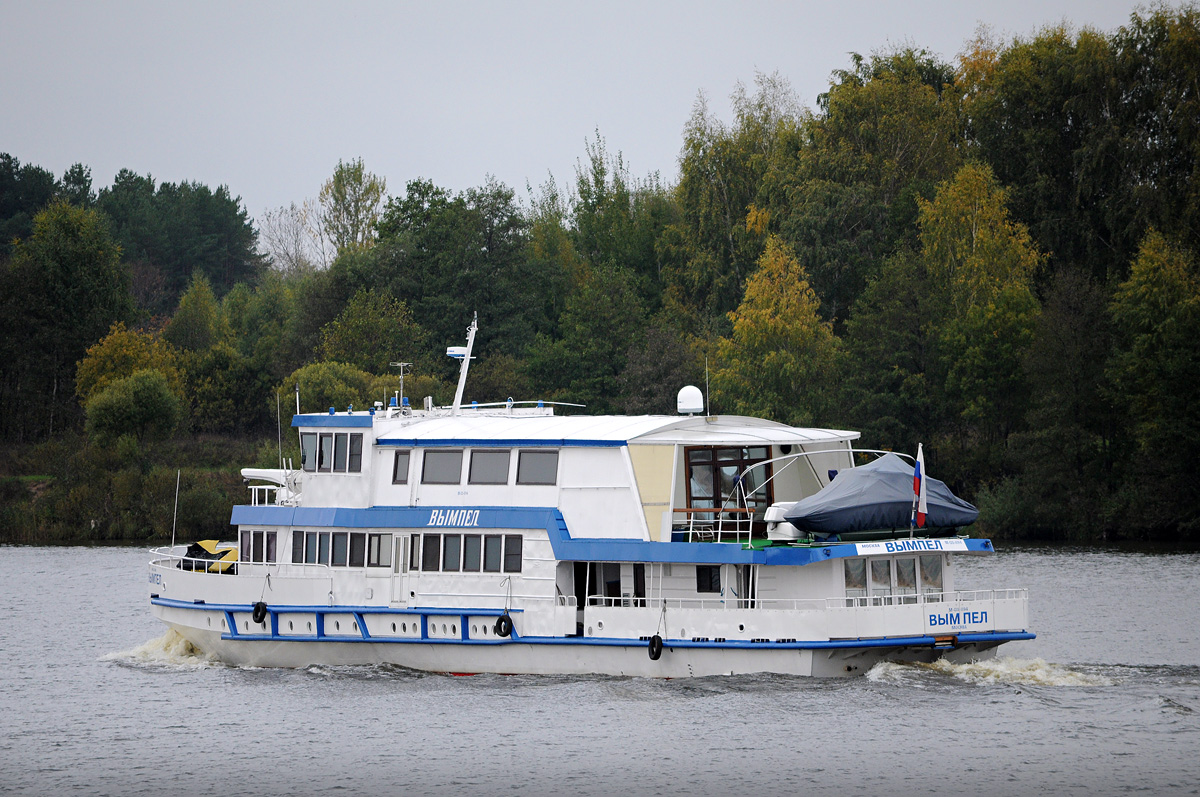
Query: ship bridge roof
[[594, 430]]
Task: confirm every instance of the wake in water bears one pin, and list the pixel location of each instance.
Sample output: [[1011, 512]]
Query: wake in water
[[1006, 670], [168, 650]]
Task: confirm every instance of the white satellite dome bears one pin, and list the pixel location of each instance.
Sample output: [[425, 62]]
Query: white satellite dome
[[690, 401]]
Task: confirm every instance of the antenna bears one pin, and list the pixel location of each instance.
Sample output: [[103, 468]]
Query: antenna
[[706, 384], [401, 366], [297, 398], [176, 515], [279, 428], [465, 353]]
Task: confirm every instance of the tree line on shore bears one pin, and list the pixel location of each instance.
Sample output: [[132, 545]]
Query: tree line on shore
[[995, 256]]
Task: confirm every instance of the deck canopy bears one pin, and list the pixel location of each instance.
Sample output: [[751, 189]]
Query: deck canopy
[[878, 495]]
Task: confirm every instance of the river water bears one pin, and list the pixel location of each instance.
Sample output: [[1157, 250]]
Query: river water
[[96, 699]]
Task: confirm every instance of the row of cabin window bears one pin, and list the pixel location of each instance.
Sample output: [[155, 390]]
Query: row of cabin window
[[470, 553], [257, 546], [906, 571], [331, 452], [341, 548], [488, 466]]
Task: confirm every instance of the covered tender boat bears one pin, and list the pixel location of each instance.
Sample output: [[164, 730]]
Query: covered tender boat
[[877, 496]]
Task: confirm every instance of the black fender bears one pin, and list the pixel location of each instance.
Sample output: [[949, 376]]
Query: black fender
[[504, 625]]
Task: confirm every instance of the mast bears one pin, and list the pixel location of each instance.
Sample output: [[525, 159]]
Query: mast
[[465, 353]]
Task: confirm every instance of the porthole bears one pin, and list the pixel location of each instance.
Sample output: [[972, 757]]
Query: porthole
[[474, 629], [600, 625], [453, 629], [741, 627], [683, 632], [247, 625], [589, 630], [337, 625], [443, 628], [355, 624], [289, 625], [222, 625], [310, 626], [393, 628], [210, 622], [404, 627]]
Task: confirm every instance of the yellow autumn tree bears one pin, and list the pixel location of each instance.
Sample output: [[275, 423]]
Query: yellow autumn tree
[[120, 354], [972, 249], [778, 361]]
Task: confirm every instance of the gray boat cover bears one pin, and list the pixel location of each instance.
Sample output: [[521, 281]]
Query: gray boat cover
[[878, 495]]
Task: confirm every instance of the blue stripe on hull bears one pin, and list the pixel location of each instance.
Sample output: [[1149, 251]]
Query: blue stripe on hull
[[923, 641]]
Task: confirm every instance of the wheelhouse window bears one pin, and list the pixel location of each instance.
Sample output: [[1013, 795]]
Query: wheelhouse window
[[325, 453], [339, 452], [489, 467], [726, 477], [442, 467], [708, 578], [257, 546], [537, 467], [308, 451], [400, 468]]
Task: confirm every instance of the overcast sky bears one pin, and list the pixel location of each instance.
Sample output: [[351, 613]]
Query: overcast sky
[[265, 97]]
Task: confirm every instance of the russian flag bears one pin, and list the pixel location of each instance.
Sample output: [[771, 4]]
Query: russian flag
[[919, 503]]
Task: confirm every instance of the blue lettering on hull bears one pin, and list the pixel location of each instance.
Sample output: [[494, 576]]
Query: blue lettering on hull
[[958, 618]]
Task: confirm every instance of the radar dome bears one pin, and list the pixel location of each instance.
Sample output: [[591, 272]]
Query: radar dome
[[690, 401]]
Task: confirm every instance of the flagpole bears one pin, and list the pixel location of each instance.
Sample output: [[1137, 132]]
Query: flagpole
[[918, 507]]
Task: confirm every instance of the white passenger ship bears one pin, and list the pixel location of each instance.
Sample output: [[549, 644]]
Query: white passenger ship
[[509, 539]]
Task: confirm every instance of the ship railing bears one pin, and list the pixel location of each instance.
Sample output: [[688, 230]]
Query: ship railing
[[957, 596], [716, 524], [557, 600], [264, 495], [809, 604], [171, 558]]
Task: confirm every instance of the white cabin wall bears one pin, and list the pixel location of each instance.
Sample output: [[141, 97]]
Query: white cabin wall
[[385, 492], [414, 493], [597, 496]]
